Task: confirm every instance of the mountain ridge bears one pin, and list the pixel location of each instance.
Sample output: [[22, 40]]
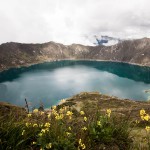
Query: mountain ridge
[[14, 54]]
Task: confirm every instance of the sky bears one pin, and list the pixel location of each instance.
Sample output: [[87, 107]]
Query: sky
[[72, 21]]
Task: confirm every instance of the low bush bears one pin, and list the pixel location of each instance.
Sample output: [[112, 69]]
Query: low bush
[[64, 129]]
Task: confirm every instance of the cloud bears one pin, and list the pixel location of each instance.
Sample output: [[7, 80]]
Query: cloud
[[72, 21]]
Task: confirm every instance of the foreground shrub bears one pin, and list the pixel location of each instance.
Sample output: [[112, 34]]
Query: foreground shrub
[[65, 129]]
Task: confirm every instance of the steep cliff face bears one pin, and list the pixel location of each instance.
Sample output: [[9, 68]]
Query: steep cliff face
[[17, 54]]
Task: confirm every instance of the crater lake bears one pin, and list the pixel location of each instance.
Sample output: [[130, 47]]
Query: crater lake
[[52, 81]]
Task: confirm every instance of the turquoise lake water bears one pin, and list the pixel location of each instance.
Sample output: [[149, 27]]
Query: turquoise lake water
[[52, 81]]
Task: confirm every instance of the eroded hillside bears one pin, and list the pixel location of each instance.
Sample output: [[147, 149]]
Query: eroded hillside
[[17, 54]]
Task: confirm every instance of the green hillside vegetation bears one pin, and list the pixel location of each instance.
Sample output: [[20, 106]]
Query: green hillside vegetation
[[89, 121]]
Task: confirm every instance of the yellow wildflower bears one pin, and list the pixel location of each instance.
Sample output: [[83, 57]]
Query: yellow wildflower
[[136, 121], [84, 128], [80, 141], [142, 112], [147, 128], [61, 116], [41, 125], [42, 113], [28, 124], [69, 128], [40, 134], [48, 115], [35, 111], [146, 117], [82, 113], [35, 125], [61, 110], [83, 146], [54, 112], [85, 119], [108, 111], [29, 115], [43, 131], [69, 113], [47, 129], [23, 132], [58, 117], [49, 145], [68, 133], [98, 123], [47, 125], [33, 143]]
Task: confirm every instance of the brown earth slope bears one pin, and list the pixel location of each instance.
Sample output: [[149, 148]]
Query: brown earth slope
[[17, 54]]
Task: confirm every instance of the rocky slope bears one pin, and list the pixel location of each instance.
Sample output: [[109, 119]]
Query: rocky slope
[[7, 109], [90, 101], [17, 54]]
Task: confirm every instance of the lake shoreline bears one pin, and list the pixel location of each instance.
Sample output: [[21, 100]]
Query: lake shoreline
[[55, 60]]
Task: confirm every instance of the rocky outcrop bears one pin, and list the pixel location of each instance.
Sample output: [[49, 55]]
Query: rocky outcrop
[[17, 54]]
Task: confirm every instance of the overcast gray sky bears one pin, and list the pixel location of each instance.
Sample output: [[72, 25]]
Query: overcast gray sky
[[72, 21]]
